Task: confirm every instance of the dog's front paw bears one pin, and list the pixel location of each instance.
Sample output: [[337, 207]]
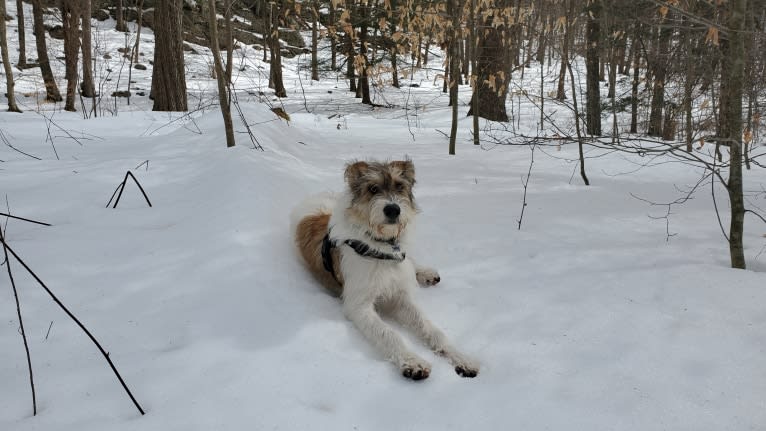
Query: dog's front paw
[[427, 276], [467, 370], [415, 369], [464, 367]]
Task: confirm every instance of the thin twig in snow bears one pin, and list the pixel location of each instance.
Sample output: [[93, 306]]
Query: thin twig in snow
[[21, 324], [525, 183], [7, 248]]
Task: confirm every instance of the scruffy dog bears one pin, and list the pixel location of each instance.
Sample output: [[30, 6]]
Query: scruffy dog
[[356, 244]]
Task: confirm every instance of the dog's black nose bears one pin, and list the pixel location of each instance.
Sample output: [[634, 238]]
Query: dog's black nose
[[392, 211]]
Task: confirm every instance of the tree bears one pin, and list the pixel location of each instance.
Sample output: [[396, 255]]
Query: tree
[[51, 89], [22, 64], [733, 74], [314, 40], [275, 70], [565, 45], [168, 78], [493, 73], [454, 10], [6, 62], [70, 17], [659, 70], [120, 25], [593, 93], [87, 87], [222, 77]]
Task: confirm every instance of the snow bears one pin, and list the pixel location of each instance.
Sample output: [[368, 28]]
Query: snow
[[588, 317]]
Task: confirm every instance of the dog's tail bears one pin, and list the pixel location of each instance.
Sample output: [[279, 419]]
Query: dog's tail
[[309, 223]]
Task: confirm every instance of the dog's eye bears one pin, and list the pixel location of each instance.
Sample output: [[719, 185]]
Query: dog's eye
[[373, 189], [399, 186]]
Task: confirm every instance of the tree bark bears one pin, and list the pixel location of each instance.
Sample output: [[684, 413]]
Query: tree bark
[[474, 79], [223, 84], [593, 90], [453, 9], [634, 85], [314, 41], [6, 62], [22, 63], [70, 17], [169, 78], [120, 25], [732, 73], [139, 25], [88, 88], [493, 69], [364, 80], [561, 90], [333, 38], [660, 64], [51, 89], [275, 68]]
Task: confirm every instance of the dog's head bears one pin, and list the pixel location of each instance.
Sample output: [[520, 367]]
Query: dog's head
[[381, 196]]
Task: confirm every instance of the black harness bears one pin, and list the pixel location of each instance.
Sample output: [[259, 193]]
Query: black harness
[[361, 248]]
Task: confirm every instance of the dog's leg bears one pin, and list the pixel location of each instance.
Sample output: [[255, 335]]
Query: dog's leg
[[410, 316], [426, 276], [387, 341]]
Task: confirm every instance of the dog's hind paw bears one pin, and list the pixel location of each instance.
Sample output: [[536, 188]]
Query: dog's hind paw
[[427, 276], [415, 369]]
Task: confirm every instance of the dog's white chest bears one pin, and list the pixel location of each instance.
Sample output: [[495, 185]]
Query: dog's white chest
[[383, 279]]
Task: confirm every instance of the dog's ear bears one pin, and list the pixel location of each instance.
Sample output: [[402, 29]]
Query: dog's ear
[[406, 167], [355, 171]]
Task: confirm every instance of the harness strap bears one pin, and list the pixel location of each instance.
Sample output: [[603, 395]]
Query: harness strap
[[361, 248], [327, 246]]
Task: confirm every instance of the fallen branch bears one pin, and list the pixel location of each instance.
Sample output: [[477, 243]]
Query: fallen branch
[[6, 249], [24, 219]]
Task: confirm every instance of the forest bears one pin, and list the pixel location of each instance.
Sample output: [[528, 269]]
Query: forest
[[590, 180]]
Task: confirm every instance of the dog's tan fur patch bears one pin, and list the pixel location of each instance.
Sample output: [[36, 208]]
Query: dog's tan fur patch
[[309, 234]]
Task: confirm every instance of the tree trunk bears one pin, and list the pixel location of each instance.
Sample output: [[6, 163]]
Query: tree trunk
[[583, 175], [474, 79], [350, 69], [659, 69], [333, 37], [275, 68], [634, 85], [87, 87], [168, 78], [51, 89], [561, 90], [394, 50], [70, 17], [493, 69], [364, 81], [453, 9], [120, 25], [22, 63], [732, 73], [314, 42], [593, 93], [136, 47], [223, 85], [6, 62]]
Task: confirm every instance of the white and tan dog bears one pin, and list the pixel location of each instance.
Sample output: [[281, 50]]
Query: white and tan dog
[[356, 244]]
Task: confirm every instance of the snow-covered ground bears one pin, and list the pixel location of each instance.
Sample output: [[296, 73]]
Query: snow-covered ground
[[588, 318]]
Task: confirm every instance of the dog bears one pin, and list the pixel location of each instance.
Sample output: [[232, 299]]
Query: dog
[[356, 242]]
